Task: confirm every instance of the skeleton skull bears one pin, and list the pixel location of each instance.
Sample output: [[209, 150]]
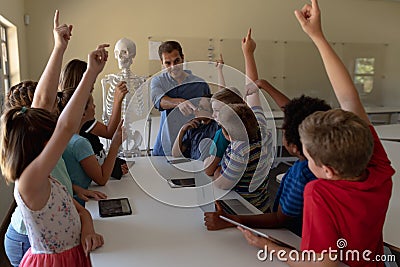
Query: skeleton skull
[[125, 51]]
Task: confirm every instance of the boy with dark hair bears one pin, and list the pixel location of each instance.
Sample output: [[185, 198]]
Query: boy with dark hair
[[345, 209]]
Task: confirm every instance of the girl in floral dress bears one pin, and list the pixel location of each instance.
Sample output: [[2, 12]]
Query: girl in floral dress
[[60, 231]]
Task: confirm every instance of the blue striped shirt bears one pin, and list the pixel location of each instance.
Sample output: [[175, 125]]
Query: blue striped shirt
[[249, 164], [290, 193]]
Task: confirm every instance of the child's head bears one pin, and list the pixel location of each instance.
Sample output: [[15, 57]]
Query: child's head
[[25, 132], [21, 95], [336, 139], [66, 96], [224, 97], [233, 116], [72, 74], [295, 112]]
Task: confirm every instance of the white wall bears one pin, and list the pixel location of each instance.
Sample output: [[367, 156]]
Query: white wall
[[349, 21]]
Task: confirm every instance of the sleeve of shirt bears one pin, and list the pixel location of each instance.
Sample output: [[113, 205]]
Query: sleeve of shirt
[[319, 232], [88, 126], [157, 92], [82, 149], [379, 157], [292, 199], [206, 89], [220, 145]]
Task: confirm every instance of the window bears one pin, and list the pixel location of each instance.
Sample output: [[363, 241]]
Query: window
[[4, 66], [364, 71]]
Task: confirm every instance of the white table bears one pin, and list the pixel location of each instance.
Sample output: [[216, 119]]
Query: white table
[[158, 234], [390, 132], [393, 112]]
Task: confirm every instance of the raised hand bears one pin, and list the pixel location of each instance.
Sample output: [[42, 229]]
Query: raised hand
[[248, 44], [309, 18], [219, 63], [62, 33], [98, 58]]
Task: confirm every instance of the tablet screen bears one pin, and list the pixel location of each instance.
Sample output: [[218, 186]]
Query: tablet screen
[[234, 207], [182, 182], [177, 161], [114, 207]]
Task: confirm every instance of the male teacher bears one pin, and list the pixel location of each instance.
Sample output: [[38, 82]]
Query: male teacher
[[175, 93]]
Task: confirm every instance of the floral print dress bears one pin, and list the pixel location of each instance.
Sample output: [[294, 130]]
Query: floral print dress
[[54, 231]]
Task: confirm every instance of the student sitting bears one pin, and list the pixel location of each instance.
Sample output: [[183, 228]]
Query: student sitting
[[247, 159], [347, 204], [193, 139], [223, 97]]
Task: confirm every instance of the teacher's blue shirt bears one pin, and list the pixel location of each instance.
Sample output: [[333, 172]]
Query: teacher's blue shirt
[[192, 88]]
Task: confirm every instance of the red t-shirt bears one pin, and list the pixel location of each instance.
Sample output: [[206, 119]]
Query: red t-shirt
[[354, 211]]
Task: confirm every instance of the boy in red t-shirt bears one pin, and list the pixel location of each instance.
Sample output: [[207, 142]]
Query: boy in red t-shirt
[[345, 209]]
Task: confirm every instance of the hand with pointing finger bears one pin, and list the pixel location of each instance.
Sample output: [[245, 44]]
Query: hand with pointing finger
[[309, 18], [248, 44], [62, 33]]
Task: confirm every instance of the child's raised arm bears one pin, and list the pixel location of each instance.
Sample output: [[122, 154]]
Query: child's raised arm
[[309, 18], [248, 48], [46, 89], [107, 131], [33, 182], [219, 64], [279, 98]]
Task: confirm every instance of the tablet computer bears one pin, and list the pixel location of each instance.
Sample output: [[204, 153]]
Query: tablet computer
[[234, 207], [182, 182], [114, 207], [258, 233], [177, 161]]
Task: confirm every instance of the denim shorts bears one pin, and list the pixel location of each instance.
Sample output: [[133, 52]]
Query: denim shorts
[[15, 245]]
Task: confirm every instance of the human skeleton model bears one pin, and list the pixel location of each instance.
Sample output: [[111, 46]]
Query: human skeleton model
[[124, 51]]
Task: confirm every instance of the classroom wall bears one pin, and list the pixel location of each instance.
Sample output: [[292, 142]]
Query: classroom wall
[[13, 11], [353, 21]]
